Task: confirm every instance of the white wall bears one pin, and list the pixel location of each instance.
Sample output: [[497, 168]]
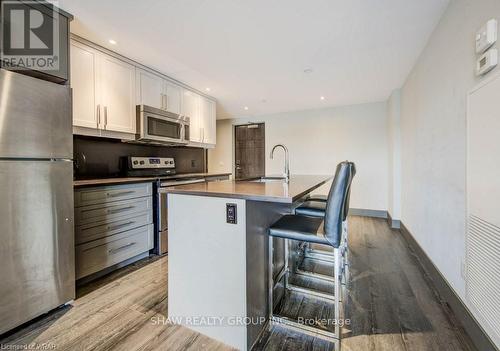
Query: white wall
[[318, 140], [433, 131], [394, 156]]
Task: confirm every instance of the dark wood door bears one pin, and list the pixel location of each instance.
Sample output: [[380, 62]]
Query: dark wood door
[[250, 151]]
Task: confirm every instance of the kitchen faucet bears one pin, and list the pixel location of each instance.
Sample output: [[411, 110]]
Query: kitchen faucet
[[287, 161]]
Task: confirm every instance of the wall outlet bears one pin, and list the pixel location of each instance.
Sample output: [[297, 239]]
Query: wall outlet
[[231, 215]]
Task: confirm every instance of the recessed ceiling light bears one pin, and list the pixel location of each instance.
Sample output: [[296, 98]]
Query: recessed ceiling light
[[308, 70], [207, 89], [246, 108], [322, 98], [112, 42]]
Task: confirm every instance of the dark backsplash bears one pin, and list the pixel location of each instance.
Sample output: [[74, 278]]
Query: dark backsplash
[[100, 157]]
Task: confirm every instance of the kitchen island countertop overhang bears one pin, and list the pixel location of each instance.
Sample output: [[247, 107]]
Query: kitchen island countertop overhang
[[270, 191]]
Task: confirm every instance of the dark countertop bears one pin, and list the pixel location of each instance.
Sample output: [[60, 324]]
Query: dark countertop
[[126, 180], [271, 191]]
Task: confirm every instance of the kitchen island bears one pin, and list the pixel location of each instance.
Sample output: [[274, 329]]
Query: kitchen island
[[218, 253]]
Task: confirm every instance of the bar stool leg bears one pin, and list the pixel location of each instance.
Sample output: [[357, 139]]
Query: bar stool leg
[[287, 269], [293, 324], [270, 280], [337, 291]]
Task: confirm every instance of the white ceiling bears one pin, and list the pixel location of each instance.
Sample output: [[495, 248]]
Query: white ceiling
[[253, 52]]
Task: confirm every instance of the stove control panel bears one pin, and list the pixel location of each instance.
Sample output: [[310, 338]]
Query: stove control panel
[[151, 162]]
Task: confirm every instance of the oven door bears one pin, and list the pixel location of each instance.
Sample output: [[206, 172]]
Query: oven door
[[162, 224], [163, 211]]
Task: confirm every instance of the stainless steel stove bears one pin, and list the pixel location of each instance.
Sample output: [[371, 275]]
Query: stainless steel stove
[[162, 168]]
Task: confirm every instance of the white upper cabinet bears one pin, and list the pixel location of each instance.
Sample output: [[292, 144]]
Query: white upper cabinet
[[107, 88], [201, 112], [191, 109], [103, 90], [149, 89], [207, 121], [173, 97], [83, 73], [117, 94], [155, 91], [212, 134]]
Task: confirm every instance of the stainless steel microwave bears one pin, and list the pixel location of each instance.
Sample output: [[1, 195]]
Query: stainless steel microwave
[[157, 126]]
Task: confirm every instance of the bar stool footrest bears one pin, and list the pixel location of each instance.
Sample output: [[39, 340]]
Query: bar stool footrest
[[315, 293], [316, 332]]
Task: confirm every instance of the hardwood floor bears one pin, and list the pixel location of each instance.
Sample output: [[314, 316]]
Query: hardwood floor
[[391, 306], [117, 312]]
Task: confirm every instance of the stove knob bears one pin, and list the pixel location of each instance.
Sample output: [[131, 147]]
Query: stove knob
[[142, 162], [171, 162], [135, 162], [166, 162]]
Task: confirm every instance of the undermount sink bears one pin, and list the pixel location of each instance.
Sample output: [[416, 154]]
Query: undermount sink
[[268, 179]]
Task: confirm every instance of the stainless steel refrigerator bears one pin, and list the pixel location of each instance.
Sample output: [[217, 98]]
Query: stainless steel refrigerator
[[36, 198]]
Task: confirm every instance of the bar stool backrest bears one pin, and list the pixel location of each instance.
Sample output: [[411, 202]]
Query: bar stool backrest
[[346, 205], [337, 204]]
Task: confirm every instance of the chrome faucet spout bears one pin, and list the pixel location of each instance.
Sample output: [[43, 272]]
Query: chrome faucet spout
[[286, 173]]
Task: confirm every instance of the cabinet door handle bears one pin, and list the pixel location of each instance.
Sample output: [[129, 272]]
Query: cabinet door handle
[[118, 226], [121, 193], [121, 248], [105, 116], [98, 116], [121, 209]]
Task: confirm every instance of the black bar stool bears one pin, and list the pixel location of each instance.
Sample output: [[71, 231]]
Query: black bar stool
[[327, 231], [314, 206]]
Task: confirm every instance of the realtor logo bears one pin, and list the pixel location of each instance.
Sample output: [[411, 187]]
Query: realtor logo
[[29, 35]]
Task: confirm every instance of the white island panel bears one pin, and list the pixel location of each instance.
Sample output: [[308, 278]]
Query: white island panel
[[207, 267]]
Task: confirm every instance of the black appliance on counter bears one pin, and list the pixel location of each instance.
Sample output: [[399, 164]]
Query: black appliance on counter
[[162, 168]]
